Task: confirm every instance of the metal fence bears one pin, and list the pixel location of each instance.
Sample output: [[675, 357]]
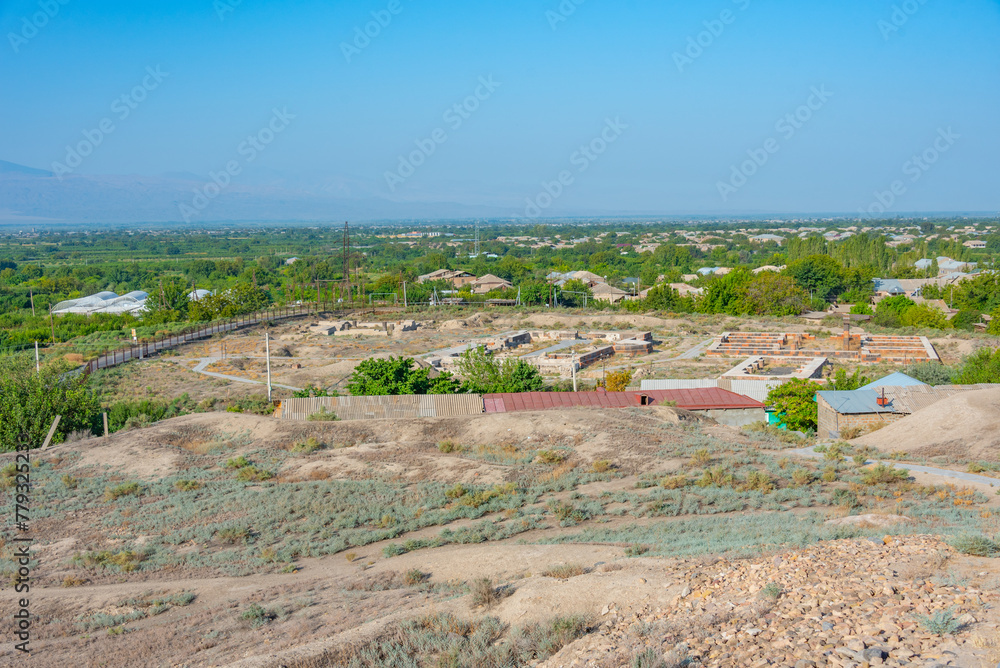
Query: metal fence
[[146, 348]]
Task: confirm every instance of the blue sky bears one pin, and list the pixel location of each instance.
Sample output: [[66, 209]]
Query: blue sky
[[890, 91]]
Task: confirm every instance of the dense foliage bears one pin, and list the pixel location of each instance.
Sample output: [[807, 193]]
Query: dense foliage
[[484, 374], [395, 376], [30, 401], [794, 404]]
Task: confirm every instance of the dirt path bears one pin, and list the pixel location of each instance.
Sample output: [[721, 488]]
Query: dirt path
[[930, 470], [203, 362]]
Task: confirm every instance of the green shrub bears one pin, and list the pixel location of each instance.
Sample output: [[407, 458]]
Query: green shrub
[[257, 615], [760, 482], [448, 446], [307, 446], [979, 546], [256, 405], [884, 474], [941, 623], [187, 485], [125, 560], [414, 576], [238, 462], [323, 415], [771, 591], [253, 474], [8, 476], [456, 492], [550, 457], [124, 489], [647, 658], [233, 535]]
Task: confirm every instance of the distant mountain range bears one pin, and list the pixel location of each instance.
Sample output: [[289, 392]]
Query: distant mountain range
[[38, 197]]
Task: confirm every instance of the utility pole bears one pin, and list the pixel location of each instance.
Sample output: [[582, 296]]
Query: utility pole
[[38, 367], [31, 294], [347, 262], [267, 352], [404, 295], [573, 363]]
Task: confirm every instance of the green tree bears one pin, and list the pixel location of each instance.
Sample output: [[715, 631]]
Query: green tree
[[842, 381], [983, 366], [889, 312], [924, 315], [725, 294], [572, 293], [819, 274], [794, 403], [769, 293], [168, 302], [484, 374], [932, 373], [994, 326], [30, 401], [397, 376], [239, 300]]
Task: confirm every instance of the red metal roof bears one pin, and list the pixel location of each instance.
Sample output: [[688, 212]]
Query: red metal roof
[[699, 399]]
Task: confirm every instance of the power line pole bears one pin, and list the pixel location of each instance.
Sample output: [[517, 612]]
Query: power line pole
[[267, 353], [346, 270], [31, 294], [38, 367]]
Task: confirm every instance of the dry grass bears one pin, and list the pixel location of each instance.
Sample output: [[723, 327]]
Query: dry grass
[[484, 593], [564, 571], [73, 581], [602, 466]]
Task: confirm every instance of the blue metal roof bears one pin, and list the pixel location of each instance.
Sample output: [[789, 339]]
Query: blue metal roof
[[897, 379], [848, 402]]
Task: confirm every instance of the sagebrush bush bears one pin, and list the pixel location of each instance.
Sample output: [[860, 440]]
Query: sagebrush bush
[[976, 545], [484, 593], [550, 457], [941, 623], [884, 474], [124, 489]]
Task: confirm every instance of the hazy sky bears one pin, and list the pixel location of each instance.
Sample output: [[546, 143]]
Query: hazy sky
[[666, 119]]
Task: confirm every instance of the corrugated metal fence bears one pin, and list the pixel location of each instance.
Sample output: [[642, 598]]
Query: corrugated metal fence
[[374, 408], [682, 384], [755, 389]]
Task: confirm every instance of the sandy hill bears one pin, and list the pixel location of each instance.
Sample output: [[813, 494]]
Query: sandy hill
[[964, 426], [219, 539]]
